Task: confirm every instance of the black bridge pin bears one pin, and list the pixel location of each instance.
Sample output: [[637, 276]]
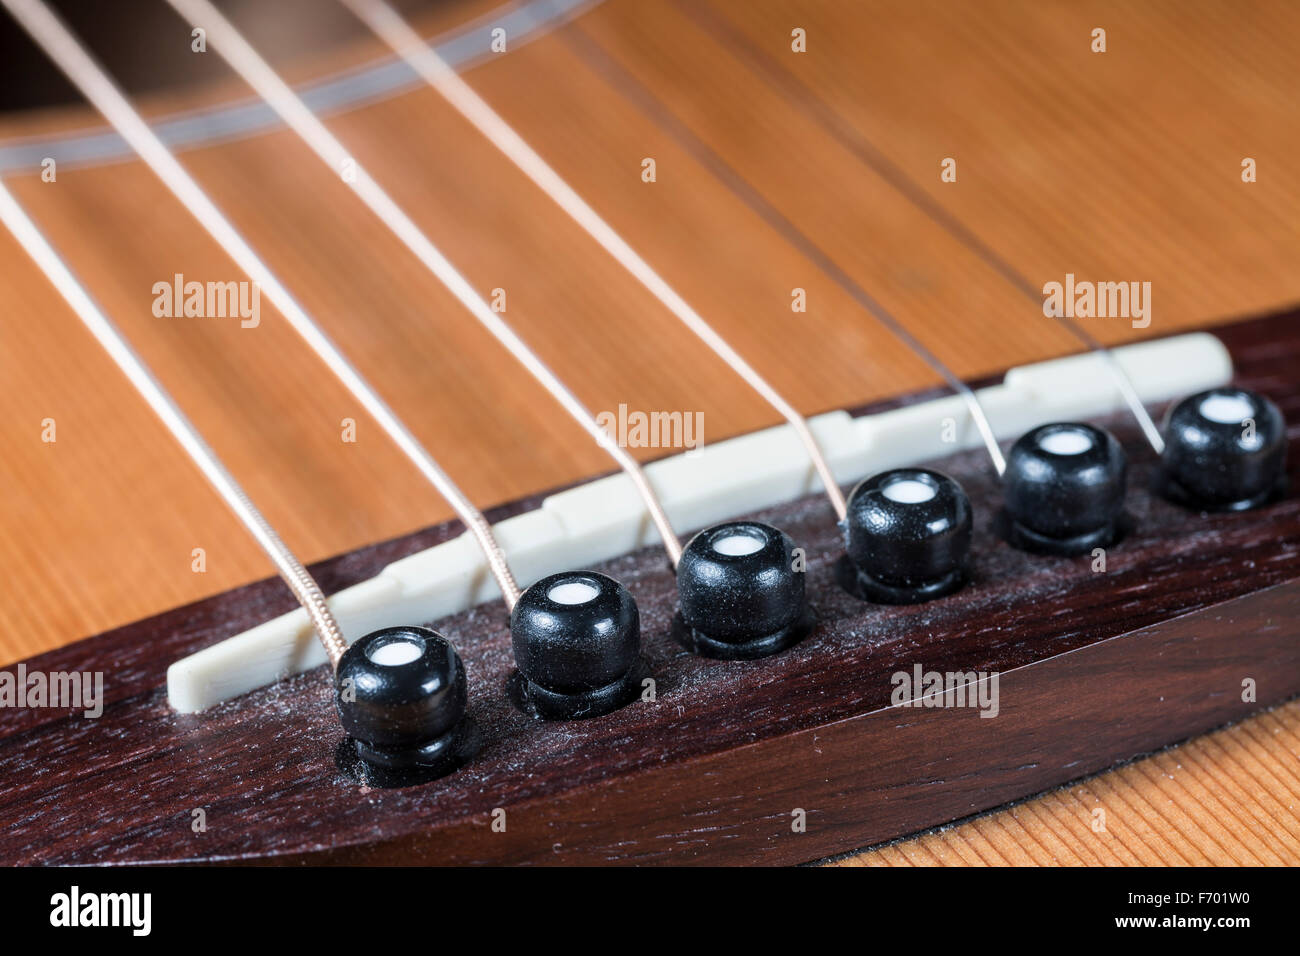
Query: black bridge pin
[[1225, 450], [401, 696], [907, 536], [577, 644], [741, 591], [1063, 489]]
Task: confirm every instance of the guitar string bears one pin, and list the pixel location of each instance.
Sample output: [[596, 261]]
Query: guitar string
[[797, 92], [295, 575], [236, 51], [720, 169], [389, 25], [66, 51]]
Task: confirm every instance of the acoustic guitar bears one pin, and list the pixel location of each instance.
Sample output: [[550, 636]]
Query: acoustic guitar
[[878, 415]]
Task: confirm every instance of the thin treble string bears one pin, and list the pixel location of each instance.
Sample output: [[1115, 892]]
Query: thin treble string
[[731, 178], [255, 71], [299, 579], [408, 44], [63, 48], [798, 93], [1122, 381]]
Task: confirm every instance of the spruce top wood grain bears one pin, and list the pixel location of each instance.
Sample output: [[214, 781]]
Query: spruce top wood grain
[[1122, 165], [1124, 186]]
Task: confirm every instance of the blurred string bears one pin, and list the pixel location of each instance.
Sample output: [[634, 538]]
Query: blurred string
[[398, 34], [65, 50], [346, 90], [803, 98], [295, 575]]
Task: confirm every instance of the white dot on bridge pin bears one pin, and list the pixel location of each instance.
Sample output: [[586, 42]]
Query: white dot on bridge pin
[[1067, 441], [1226, 409], [909, 491], [737, 545], [572, 592], [395, 653]]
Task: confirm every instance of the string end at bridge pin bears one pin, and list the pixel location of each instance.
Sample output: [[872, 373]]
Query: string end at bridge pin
[[741, 584], [404, 726], [600, 633]]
